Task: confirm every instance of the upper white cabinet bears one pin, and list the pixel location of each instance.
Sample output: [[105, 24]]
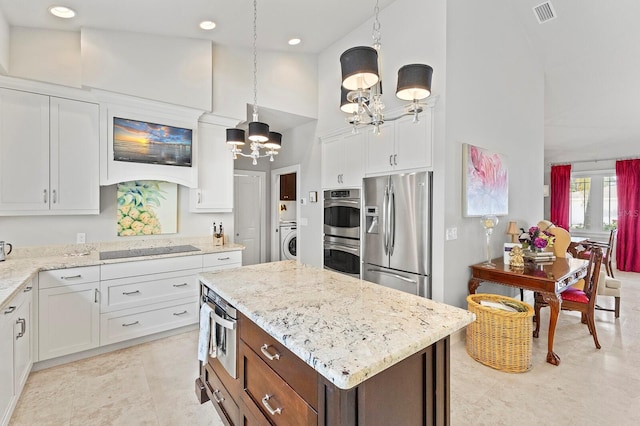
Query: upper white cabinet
[[215, 174], [48, 155], [343, 160], [401, 145]]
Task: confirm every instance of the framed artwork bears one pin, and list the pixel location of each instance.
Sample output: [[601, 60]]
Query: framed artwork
[[485, 182], [147, 207]]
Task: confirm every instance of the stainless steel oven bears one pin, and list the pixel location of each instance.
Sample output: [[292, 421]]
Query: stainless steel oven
[[342, 231], [225, 318]]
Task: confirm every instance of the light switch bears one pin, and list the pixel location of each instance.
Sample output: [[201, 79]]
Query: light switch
[[452, 233]]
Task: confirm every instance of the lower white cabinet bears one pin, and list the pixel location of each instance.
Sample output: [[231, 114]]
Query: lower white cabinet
[[16, 353]]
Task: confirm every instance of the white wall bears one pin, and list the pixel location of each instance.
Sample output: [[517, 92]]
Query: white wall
[[5, 43], [43, 230], [494, 99]]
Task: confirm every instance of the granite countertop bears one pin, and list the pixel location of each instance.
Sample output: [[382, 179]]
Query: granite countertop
[[345, 328], [23, 263]]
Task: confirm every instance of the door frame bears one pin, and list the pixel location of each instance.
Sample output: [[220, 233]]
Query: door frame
[[262, 179], [275, 198]]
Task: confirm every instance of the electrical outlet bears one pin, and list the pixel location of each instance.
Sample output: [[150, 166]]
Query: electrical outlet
[[81, 238], [452, 234]]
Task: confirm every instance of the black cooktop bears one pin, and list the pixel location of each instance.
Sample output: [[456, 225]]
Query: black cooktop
[[149, 251]]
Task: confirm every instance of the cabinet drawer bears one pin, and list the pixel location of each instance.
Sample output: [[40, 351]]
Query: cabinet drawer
[[137, 322], [223, 258], [68, 276], [292, 369], [152, 266], [138, 291], [221, 397], [275, 398]]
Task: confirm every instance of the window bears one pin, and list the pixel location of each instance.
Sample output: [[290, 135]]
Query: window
[[593, 201]]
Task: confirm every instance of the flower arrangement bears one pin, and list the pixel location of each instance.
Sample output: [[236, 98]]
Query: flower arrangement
[[536, 239]]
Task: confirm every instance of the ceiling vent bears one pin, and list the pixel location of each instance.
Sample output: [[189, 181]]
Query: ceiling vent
[[544, 12]]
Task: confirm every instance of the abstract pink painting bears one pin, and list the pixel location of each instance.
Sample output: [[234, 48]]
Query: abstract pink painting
[[485, 182]]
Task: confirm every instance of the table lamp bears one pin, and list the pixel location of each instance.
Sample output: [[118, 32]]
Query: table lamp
[[512, 229], [488, 223]]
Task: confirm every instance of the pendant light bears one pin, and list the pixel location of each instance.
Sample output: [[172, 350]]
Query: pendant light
[[259, 135], [361, 91]]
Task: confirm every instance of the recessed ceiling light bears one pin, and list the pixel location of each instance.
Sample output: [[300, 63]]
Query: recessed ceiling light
[[294, 41], [207, 25], [62, 12]]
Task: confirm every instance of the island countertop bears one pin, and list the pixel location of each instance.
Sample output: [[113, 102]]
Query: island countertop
[[346, 329]]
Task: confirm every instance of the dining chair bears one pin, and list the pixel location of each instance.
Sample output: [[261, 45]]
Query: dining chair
[[608, 286], [583, 301], [607, 249]]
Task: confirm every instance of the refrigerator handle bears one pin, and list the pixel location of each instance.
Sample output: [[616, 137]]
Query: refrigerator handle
[[398, 276], [385, 220], [392, 221]]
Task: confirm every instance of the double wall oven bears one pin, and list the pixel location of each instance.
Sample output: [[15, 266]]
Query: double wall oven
[[342, 231]]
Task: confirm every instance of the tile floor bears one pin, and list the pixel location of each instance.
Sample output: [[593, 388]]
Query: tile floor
[[153, 383]]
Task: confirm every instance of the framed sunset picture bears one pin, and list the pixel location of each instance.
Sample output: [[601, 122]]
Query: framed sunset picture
[[144, 142], [485, 182]]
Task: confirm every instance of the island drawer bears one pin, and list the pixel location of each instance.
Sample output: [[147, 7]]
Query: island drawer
[[290, 367], [271, 394], [68, 276], [221, 397]]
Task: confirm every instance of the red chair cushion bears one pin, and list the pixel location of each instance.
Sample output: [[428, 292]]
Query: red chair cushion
[[586, 255], [574, 295]]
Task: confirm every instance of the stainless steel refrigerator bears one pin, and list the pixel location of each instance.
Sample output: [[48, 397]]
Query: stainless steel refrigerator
[[397, 233]]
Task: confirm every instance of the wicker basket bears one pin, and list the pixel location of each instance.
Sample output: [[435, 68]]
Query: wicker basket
[[497, 338]]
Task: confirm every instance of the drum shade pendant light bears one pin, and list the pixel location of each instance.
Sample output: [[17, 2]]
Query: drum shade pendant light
[[361, 94], [259, 135]]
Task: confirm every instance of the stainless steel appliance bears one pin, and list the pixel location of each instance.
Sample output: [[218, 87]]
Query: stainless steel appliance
[[225, 318], [397, 233], [342, 231], [3, 255]]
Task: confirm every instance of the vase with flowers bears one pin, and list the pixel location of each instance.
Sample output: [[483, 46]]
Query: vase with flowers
[[536, 240]]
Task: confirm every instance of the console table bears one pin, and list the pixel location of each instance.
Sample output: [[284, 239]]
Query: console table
[[549, 280]]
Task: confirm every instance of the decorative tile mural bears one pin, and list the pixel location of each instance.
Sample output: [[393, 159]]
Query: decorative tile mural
[[147, 207], [485, 182]]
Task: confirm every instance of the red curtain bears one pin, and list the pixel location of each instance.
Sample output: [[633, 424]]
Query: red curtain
[[560, 185], [628, 183]]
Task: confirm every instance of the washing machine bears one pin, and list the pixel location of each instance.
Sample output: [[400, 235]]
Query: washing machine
[[288, 241]]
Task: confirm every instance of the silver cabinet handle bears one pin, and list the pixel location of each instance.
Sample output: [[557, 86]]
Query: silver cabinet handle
[[27, 289], [95, 295], [224, 258], [215, 396], [55, 198], [180, 285], [180, 313], [265, 402], [199, 197], [131, 323], [71, 277], [266, 353], [390, 162], [45, 196], [395, 157], [23, 327], [129, 293], [9, 310]]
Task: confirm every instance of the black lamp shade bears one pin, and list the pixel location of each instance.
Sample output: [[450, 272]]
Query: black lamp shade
[[414, 82], [345, 105], [258, 132], [275, 140], [359, 67], [235, 136]]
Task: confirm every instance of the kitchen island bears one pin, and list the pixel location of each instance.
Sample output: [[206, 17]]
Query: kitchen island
[[374, 355]]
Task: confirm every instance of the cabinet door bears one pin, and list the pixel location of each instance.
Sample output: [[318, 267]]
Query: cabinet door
[[23, 328], [69, 320], [413, 142], [352, 156], [6, 366], [332, 160], [24, 151], [215, 171], [380, 150], [75, 176], [288, 187]]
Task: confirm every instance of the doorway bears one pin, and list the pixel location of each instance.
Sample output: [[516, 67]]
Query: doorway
[[249, 202], [277, 205]]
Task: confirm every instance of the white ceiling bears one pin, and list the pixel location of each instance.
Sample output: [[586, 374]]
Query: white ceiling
[[590, 53]]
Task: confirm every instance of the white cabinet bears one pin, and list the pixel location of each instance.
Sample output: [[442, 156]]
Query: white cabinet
[[69, 311], [342, 160], [215, 172], [212, 262], [15, 350], [48, 155], [401, 145]]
